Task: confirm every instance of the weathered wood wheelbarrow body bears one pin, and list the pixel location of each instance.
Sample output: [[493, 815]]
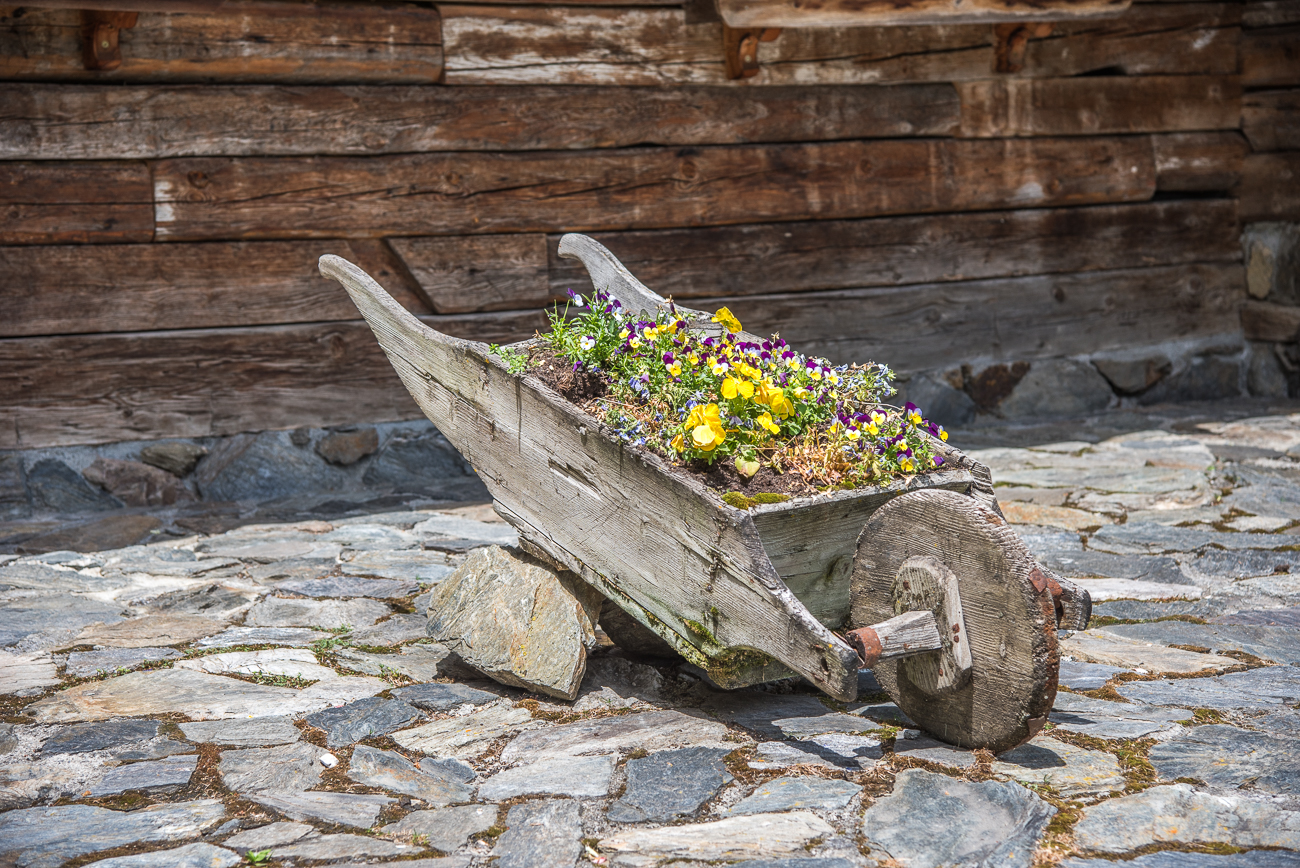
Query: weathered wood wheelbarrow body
[[753, 595]]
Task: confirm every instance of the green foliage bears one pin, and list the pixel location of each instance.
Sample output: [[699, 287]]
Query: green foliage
[[257, 857], [516, 361]]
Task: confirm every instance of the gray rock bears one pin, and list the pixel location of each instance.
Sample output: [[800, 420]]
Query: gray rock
[[212, 601], [790, 793], [735, 838], [347, 586], [364, 718], [265, 549], [1206, 378], [53, 612], [264, 466], [1067, 769], [783, 716], [1102, 718], [985, 824], [940, 402], [1085, 676], [423, 567], [56, 487], [100, 736], [255, 732], [929, 749], [1095, 646], [446, 829], [465, 736], [1266, 688], [137, 484], [541, 834], [424, 463], [327, 614], [423, 662], [48, 837], [461, 861], [396, 630], [670, 784], [391, 771], [616, 682], [81, 664], [833, 750], [1124, 824], [335, 847], [1225, 756], [347, 447], [198, 855], [178, 459], [1144, 568], [169, 772], [358, 536], [650, 731], [517, 621], [14, 500], [289, 662], [1057, 387], [1279, 722], [1148, 538], [290, 767], [298, 637], [1149, 610], [1279, 644], [885, 712], [449, 768], [150, 632], [8, 740], [264, 837], [578, 776], [26, 674], [1261, 617], [346, 809], [1130, 376], [1179, 859], [797, 862], [443, 697], [1246, 564]]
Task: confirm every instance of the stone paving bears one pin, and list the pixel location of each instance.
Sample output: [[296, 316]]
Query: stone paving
[[269, 695]]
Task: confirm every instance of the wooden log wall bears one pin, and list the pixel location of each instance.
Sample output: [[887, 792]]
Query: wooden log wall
[[872, 192]]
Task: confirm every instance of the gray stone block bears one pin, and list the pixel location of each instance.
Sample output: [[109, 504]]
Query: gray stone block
[[1203, 378], [1278, 644], [168, 773], [1180, 859], [267, 466], [424, 463], [81, 664], [670, 784], [14, 500], [392, 771], [577, 776], [291, 767], [268, 836], [1268, 688], [792, 793], [939, 402], [1225, 756], [107, 734], [137, 484], [541, 834], [1265, 377], [446, 829], [443, 697], [346, 809], [1133, 374], [56, 487], [198, 855], [1085, 676], [48, 837], [989, 824], [48, 612], [348, 446], [177, 458], [236, 732], [334, 847], [1057, 387], [364, 718]]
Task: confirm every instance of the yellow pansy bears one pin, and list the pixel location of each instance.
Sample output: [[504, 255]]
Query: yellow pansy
[[651, 333], [675, 369], [781, 405], [732, 387], [766, 421], [907, 466], [634, 343], [728, 320], [718, 366], [623, 334], [853, 434], [679, 443], [943, 435]]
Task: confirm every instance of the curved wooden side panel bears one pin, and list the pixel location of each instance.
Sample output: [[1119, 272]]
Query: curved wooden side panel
[[694, 567]]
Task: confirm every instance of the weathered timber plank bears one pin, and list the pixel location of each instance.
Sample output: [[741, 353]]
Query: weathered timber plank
[[52, 203], [1271, 58], [518, 45], [460, 274], [931, 326], [1270, 187], [40, 121], [895, 251], [1199, 162], [64, 290], [878, 13], [1263, 321], [1270, 13], [637, 188], [104, 388], [1097, 105], [305, 43], [1271, 120]]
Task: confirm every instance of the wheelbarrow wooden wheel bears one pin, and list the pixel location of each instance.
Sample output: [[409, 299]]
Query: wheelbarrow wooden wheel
[[919, 551]]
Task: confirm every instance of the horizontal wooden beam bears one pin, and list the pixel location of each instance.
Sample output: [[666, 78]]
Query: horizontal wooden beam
[[1270, 188], [552, 45], [998, 107], [1199, 162], [84, 122], [1271, 57], [267, 42], [75, 203], [1271, 119], [937, 325], [104, 388], [890, 13], [1264, 321], [200, 199]]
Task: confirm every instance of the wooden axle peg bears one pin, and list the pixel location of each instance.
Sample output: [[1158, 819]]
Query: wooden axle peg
[[908, 634]]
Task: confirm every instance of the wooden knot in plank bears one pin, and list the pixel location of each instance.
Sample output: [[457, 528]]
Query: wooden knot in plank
[[740, 49], [100, 33]]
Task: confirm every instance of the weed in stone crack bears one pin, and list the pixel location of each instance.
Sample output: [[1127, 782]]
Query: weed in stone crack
[[257, 857], [1202, 716], [1058, 838]]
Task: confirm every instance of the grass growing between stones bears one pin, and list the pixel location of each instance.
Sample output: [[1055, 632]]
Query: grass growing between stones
[[1139, 773]]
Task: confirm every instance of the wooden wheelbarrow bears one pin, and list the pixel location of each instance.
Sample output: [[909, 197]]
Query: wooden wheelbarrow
[[935, 592]]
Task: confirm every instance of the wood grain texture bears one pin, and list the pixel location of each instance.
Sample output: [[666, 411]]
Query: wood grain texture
[[1099, 105], [877, 13], [60, 391], [1009, 623], [1271, 120], [1270, 187], [1270, 13], [303, 43], [520, 45], [894, 251], [1199, 162], [1271, 57], [76, 121], [460, 274], [930, 326], [1263, 321], [200, 199], [75, 203], [64, 290]]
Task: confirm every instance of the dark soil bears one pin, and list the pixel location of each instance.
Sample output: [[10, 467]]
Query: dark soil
[[583, 386]]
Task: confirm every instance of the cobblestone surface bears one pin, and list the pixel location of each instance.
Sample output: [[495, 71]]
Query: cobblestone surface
[[270, 688]]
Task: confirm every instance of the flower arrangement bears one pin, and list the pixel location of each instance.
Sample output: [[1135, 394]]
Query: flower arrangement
[[701, 398]]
